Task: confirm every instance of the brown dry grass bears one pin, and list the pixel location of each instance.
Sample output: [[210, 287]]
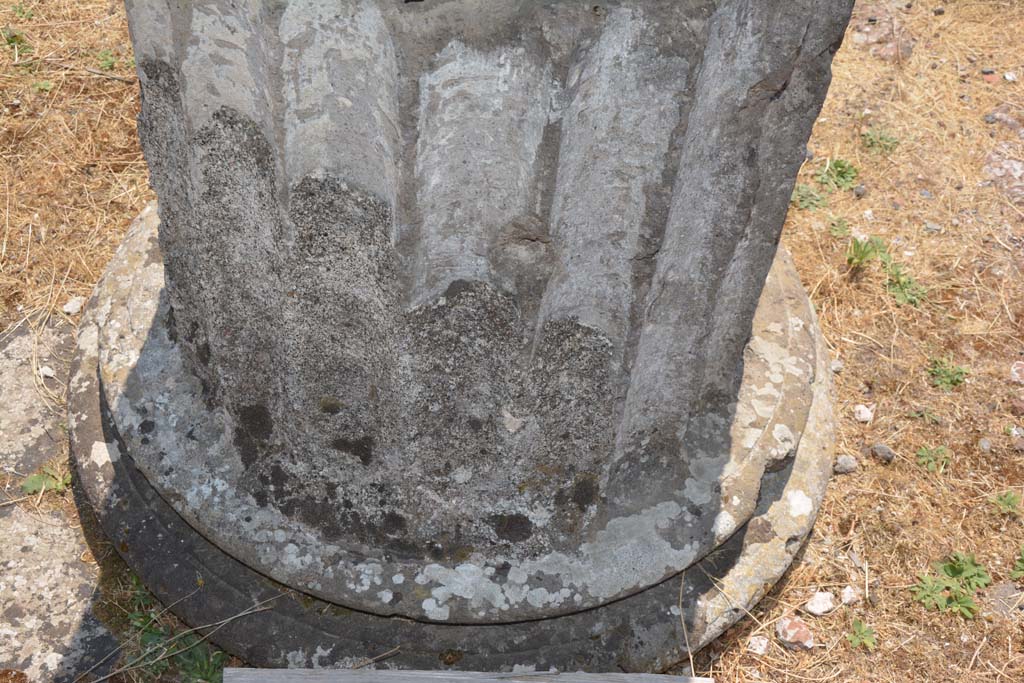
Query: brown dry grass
[[71, 172], [73, 178]]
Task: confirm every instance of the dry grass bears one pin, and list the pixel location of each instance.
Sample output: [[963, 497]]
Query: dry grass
[[73, 178], [71, 172]]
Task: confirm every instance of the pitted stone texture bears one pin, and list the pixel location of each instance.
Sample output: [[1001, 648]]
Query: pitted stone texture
[[642, 632], [455, 276], [31, 426], [161, 416], [47, 626]]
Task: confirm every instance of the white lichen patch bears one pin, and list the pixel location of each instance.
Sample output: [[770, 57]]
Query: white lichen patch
[[800, 503]]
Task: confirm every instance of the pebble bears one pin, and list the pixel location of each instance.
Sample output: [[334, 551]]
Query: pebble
[[845, 464], [883, 453], [932, 227], [991, 118], [1017, 372], [1017, 407], [47, 372], [758, 645], [863, 413], [927, 194], [1010, 76], [984, 445], [794, 633], [1018, 445], [850, 596], [74, 306], [860, 192], [837, 366], [820, 604], [939, 11]]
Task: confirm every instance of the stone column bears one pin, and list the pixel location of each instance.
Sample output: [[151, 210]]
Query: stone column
[[458, 315]]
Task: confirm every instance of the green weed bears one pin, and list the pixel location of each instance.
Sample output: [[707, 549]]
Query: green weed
[[879, 140], [1008, 503], [862, 635], [904, 288], [933, 459], [951, 588], [837, 174], [806, 198], [106, 60], [50, 479], [1018, 566], [22, 12], [946, 375], [839, 227], [859, 252]]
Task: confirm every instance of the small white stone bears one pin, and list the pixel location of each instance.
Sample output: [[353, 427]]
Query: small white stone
[[74, 305], [837, 366], [47, 372], [1017, 372], [1010, 76], [850, 596], [820, 604], [758, 645], [863, 413], [512, 423]]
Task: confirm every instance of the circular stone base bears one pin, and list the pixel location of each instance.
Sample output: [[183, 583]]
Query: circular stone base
[[269, 624]]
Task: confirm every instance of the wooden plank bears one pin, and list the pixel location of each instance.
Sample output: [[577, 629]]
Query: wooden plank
[[390, 676]]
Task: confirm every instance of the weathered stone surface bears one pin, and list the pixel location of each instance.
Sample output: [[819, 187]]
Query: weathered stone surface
[[460, 290], [640, 633], [48, 630], [31, 426]]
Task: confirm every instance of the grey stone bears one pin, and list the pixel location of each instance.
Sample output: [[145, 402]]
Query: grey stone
[[883, 453], [459, 318], [985, 445], [846, 464], [640, 633], [48, 629], [30, 422]]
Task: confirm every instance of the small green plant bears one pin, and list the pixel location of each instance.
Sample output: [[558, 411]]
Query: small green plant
[[839, 227], [1008, 503], [904, 288], [1017, 572], [951, 588], [22, 12], [946, 375], [50, 479], [806, 198], [859, 252], [106, 60], [933, 459], [837, 174], [16, 40], [42, 86], [155, 648], [862, 635], [879, 140]]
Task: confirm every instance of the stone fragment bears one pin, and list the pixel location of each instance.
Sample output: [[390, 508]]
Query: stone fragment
[[820, 604], [846, 464], [46, 372], [758, 645], [1006, 172], [74, 305], [864, 413], [985, 445], [837, 366], [1016, 407], [794, 633], [1017, 372], [850, 595], [883, 453]]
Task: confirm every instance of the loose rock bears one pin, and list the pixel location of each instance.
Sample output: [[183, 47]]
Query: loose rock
[[883, 453], [794, 633], [984, 445], [1017, 407], [846, 464], [837, 366], [74, 306], [850, 596], [820, 604], [863, 413], [1017, 372], [758, 645], [860, 192]]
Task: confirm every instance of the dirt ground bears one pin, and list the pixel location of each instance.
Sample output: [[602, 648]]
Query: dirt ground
[[927, 104]]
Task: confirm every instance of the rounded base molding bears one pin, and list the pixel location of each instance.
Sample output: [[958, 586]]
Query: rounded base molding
[[269, 624]]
